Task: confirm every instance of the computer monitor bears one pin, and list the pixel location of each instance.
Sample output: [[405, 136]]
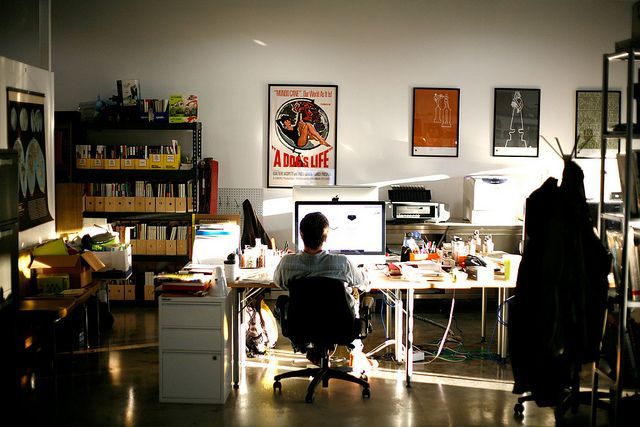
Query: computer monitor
[[357, 228]]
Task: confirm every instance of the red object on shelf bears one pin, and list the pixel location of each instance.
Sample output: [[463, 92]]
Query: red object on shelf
[[209, 192]]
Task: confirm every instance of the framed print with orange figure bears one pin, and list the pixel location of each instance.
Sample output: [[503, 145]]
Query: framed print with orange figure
[[435, 122]]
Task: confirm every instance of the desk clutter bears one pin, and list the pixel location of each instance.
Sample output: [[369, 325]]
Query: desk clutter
[[453, 261]]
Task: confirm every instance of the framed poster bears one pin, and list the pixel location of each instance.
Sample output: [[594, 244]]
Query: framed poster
[[589, 120], [26, 130], [516, 122], [435, 122], [302, 135]]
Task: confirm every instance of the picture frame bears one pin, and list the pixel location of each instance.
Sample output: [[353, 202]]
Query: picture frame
[[516, 122], [129, 92], [27, 134], [301, 137], [589, 123], [436, 122]]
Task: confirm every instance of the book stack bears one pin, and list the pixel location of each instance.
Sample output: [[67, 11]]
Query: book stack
[[183, 283]]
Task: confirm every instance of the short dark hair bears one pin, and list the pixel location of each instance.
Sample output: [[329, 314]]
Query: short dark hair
[[314, 228]]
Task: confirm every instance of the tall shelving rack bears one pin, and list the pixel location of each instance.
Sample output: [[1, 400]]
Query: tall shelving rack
[[189, 139], [620, 297]]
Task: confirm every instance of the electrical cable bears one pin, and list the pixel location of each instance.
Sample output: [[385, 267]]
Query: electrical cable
[[446, 332]]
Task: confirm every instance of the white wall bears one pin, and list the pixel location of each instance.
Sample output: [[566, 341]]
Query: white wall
[[22, 76], [375, 51]]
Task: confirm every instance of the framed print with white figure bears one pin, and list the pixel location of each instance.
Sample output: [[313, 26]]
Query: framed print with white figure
[[302, 135], [516, 122]]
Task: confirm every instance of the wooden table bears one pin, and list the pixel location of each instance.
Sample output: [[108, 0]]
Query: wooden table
[[51, 310]]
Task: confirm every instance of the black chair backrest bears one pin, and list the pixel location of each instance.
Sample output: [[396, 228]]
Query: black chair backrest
[[320, 312]]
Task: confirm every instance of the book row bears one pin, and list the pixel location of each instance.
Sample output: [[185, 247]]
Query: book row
[[153, 161], [139, 189], [88, 151]]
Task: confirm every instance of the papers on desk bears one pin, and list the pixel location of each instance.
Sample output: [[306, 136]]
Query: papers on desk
[[198, 268], [72, 292], [258, 275]]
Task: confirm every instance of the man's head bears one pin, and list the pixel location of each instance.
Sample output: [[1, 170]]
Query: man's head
[[314, 228]]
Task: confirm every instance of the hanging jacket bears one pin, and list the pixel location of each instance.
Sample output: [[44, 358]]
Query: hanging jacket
[[252, 228], [556, 318]]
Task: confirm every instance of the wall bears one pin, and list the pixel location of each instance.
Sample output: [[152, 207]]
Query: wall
[[22, 76], [375, 51]]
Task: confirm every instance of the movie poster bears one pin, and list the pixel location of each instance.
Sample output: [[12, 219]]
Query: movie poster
[[27, 136], [302, 135]]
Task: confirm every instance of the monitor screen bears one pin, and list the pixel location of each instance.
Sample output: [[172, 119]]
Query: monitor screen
[[355, 227]]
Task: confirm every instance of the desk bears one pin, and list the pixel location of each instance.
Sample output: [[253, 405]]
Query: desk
[[388, 284], [54, 309], [247, 287]]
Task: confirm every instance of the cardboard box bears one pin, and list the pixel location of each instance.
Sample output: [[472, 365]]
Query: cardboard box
[[116, 260], [52, 283], [129, 292], [116, 292], [78, 267]]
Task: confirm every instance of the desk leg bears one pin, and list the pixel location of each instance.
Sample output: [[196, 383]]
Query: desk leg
[[409, 338], [235, 334], [399, 330], [85, 309], [502, 327], [483, 317]]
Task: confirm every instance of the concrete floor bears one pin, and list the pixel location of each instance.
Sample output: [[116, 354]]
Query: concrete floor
[[116, 384]]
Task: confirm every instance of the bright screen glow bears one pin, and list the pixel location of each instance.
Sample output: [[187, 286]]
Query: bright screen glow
[[356, 227]]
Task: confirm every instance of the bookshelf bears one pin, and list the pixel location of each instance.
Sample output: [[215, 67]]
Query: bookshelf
[[142, 178]]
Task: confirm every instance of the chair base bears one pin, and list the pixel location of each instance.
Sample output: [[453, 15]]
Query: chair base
[[322, 374]]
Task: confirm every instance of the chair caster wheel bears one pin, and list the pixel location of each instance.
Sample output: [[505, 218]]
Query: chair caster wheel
[[309, 398], [277, 385], [518, 408], [366, 393]]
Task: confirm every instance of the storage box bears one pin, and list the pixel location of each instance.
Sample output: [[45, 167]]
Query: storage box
[[116, 260], [127, 164], [156, 161], [78, 267], [112, 163]]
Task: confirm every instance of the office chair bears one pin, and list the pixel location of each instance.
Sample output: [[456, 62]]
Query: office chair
[[317, 317]]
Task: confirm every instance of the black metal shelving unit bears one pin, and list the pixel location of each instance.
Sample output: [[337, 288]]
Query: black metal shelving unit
[[189, 137], [620, 298]]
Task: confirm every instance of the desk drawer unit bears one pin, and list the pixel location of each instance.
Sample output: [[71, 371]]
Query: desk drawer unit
[[195, 349]]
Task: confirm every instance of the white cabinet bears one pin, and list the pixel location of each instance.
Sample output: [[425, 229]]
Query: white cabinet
[[195, 349]]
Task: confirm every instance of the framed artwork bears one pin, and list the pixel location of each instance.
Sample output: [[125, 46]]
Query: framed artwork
[[516, 122], [302, 135], [436, 115], [26, 135], [589, 120]]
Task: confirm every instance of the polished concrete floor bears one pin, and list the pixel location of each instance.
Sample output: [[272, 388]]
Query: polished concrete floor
[[116, 384]]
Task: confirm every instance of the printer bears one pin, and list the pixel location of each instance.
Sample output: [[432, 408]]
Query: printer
[[412, 203], [493, 199]]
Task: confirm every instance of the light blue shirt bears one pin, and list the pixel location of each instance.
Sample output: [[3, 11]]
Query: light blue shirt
[[323, 264]]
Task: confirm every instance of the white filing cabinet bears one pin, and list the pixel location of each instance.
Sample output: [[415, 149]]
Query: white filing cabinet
[[195, 349]]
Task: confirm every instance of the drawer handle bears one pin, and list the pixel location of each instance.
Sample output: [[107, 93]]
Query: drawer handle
[[214, 357]]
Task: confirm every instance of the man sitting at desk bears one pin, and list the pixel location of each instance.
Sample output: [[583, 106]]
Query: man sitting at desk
[[313, 261]]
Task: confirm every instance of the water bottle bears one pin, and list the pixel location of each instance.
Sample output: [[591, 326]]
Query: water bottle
[[407, 244]]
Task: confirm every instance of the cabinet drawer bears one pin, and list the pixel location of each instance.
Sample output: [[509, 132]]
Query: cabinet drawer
[[185, 315], [191, 376], [191, 339]]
